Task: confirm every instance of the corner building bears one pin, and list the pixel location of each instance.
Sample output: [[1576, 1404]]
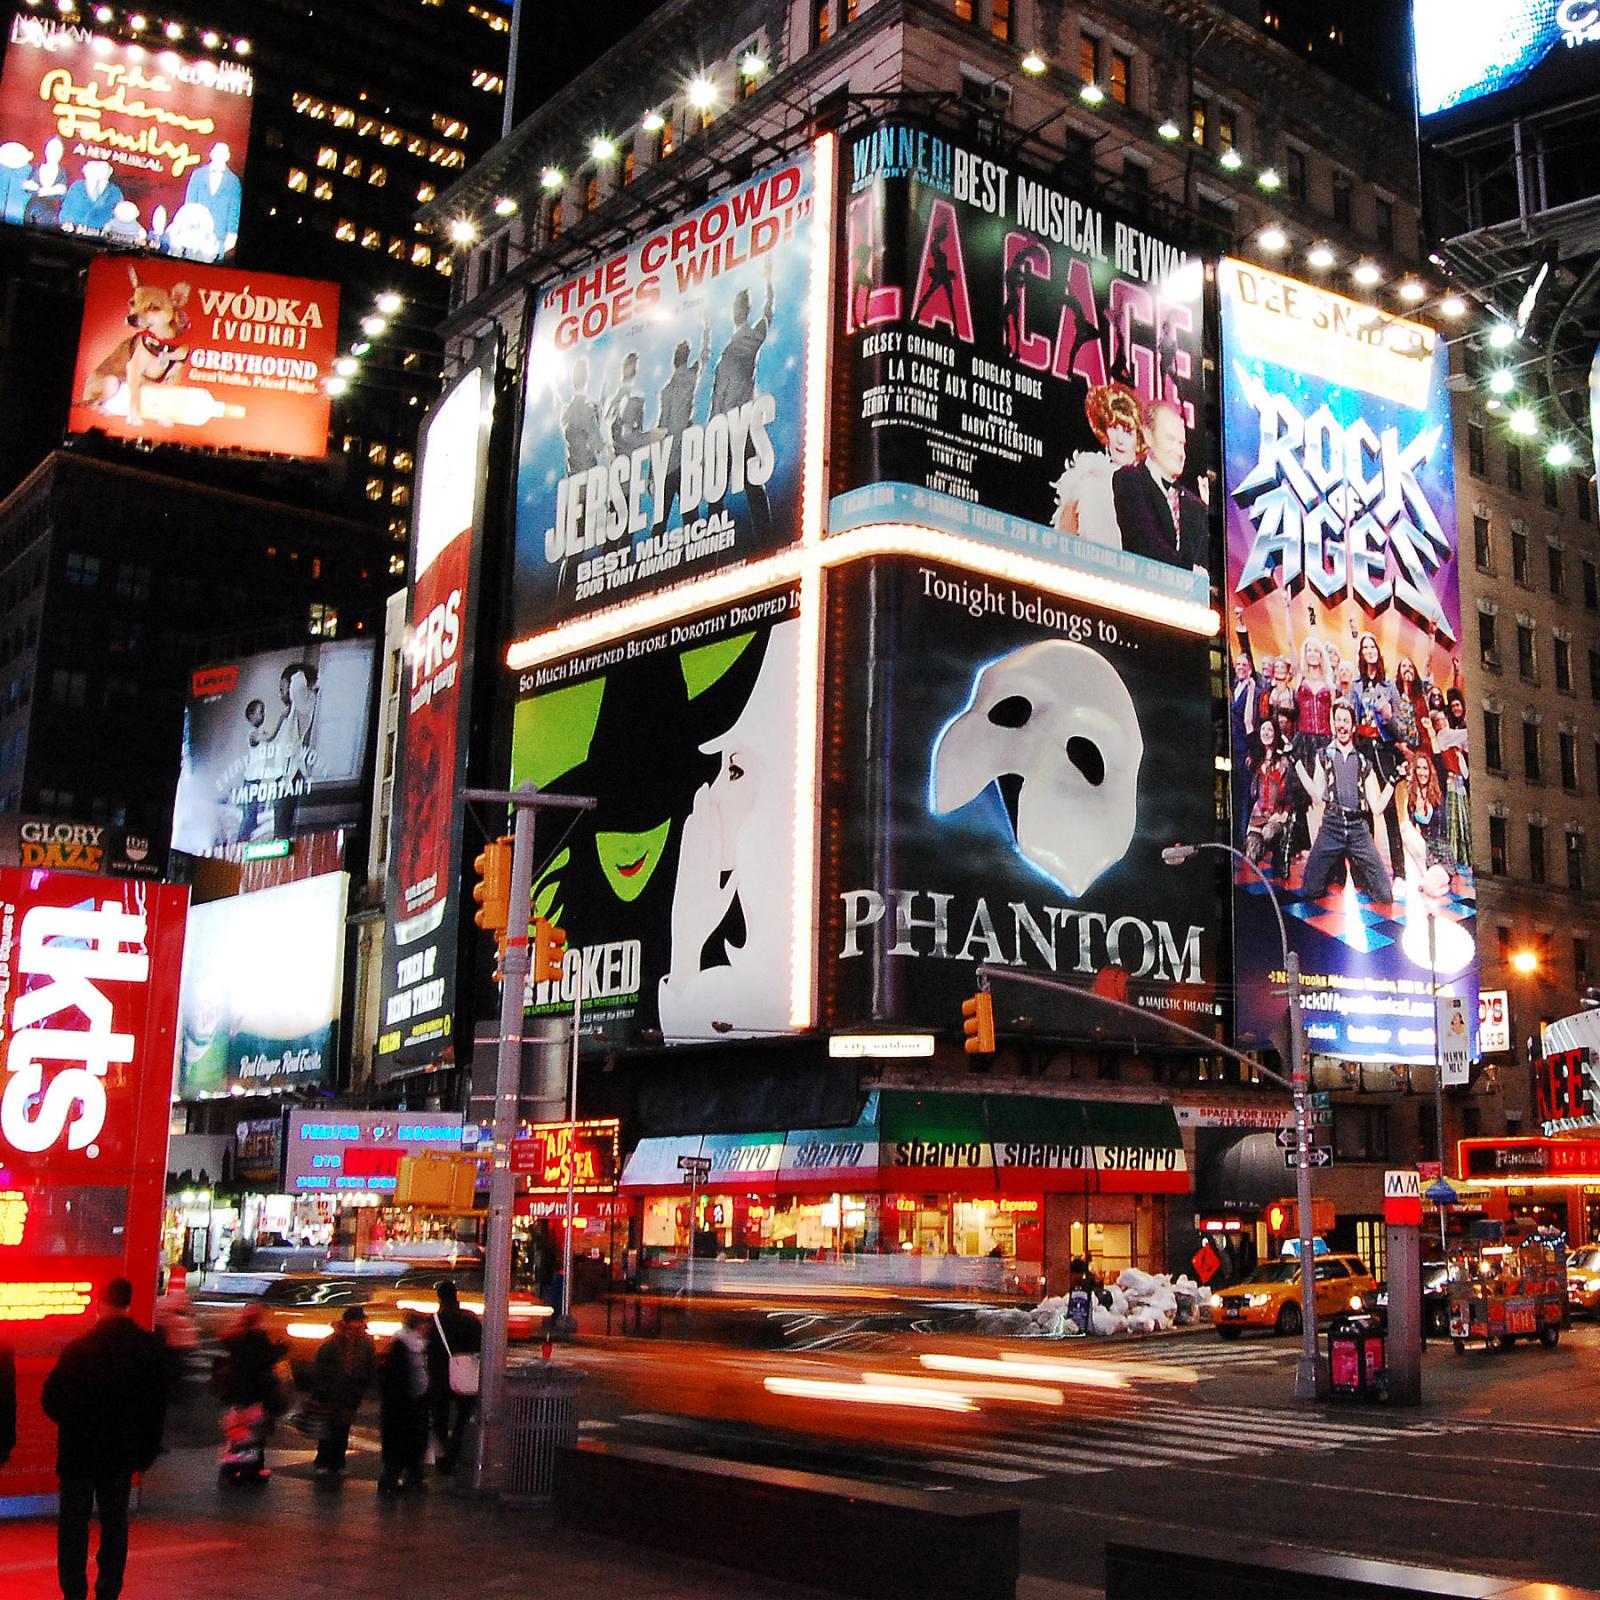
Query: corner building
[[850, 339]]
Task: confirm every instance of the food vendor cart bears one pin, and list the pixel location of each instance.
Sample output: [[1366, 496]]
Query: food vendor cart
[[1500, 1293]]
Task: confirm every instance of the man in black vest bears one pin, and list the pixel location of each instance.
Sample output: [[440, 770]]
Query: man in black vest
[[1346, 784]]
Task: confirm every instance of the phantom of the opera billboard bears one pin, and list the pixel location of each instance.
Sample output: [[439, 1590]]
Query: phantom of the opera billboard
[[677, 891], [176, 353], [663, 420], [273, 745], [999, 788], [1023, 367], [89, 997], [1348, 716], [422, 896], [263, 976], [139, 147]]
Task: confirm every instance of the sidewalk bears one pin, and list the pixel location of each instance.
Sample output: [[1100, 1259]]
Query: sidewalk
[[194, 1539]]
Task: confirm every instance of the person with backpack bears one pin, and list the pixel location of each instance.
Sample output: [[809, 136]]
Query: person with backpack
[[403, 1406]]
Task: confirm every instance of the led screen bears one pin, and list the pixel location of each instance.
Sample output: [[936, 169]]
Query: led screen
[[1479, 59]]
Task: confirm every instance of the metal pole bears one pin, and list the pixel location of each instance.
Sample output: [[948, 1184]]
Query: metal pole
[[688, 1277], [502, 1186], [1438, 1076], [572, 1148], [1307, 1384]]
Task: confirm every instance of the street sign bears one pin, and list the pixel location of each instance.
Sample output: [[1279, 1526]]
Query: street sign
[[1321, 1099], [695, 1169], [1206, 1262], [1320, 1156], [1429, 1171], [1288, 1138], [1322, 1119], [1402, 1198]]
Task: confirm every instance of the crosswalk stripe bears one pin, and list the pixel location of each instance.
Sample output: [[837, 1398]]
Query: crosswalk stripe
[[973, 1469]]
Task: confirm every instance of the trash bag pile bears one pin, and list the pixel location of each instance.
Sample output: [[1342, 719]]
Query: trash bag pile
[[1137, 1303]]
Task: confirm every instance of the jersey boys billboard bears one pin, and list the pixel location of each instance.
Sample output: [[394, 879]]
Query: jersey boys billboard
[[423, 908], [1000, 789], [677, 891], [1023, 367], [1349, 723], [88, 994], [139, 147], [182, 354], [663, 421]]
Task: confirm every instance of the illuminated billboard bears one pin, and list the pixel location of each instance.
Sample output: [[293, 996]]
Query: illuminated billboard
[[1000, 789], [423, 906], [1349, 720], [340, 1151], [89, 998], [139, 147], [273, 745], [677, 892], [663, 418], [61, 846], [1023, 368], [172, 352], [263, 976], [1481, 59]]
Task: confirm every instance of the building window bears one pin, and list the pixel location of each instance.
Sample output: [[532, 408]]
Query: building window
[[1580, 495], [821, 12], [1383, 214], [421, 255], [1555, 561], [297, 180], [1536, 869], [322, 622], [1519, 557], [1199, 117], [1361, 1133], [1341, 198], [1482, 545], [1594, 673], [403, 461], [1532, 761], [1294, 173], [1563, 649], [133, 582], [1552, 489], [425, 192], [374, 488], [378, 453], [345, 233], [68, 688], [1088, 57], [82, 570], [400, 495], [1527, 660], [553, 220], [328, 157], [963, 10], [1227, 129], [351, 167], [1514, 467], [591, 192], [1487, 646], [1493, 754], [1000, 19], [1497, 849], [378, 176], [1475, 455], [323, 191], [664, 135], [1567, 743], [628, 159], [1580, 963], [1591, 585], [1121, 76]]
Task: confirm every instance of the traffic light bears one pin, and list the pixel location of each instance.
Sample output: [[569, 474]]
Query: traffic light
[[493, 888], [549, 950], [977, 1022]]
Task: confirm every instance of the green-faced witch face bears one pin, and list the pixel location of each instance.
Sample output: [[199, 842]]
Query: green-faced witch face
[[630, 859]]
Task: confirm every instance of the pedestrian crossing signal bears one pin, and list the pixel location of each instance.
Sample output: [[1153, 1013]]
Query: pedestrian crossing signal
[[549, 951], [977, 1023]]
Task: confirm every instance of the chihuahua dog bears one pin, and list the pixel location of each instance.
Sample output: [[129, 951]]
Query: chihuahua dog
[[153, 353]]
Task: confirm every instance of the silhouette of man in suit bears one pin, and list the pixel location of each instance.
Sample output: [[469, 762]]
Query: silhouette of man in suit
[[1159, 518]]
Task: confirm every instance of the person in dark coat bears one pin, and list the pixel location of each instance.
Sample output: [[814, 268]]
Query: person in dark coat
[[107, 1395], [8, 1403], [250, 1355], [403, 1406], [345, 1368], [454, 1332], [1158, 516]]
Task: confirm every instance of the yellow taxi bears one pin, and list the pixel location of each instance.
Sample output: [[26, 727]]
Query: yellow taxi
[[1270, 1296]]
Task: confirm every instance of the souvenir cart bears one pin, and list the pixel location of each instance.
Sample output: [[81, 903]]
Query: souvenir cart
[[1500, 1293]]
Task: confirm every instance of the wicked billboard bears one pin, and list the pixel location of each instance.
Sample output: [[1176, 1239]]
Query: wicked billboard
[[422, 904], [677, 891], [1348, 715], [1023, 366], [1002, 780], [664, 409]]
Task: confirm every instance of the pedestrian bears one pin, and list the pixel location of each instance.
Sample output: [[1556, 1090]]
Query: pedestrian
[[345, 1368], [8, 1402], [403, 1406], [246, 1380], [107, 1396], [454, 1343]]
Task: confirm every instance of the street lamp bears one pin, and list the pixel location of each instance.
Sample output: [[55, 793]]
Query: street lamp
[[1306, 1382]]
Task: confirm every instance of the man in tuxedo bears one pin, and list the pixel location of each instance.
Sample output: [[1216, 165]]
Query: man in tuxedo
[[1158, 517]]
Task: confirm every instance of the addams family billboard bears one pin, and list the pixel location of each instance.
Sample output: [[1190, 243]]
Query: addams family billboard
[[677, 891], [663, 417], [1008, 768], [1023, 367], [422, 904], [1348, 716]]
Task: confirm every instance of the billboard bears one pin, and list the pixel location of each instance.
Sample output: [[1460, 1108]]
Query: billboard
[[1348, 717], [172, 352], [1000, 789], [89, 999], [359, 1152], [1482, 59], [273, 745], [422, 901], [663, 420], [263, 976], [1023, 367], [139, 147], [94, 847], [677, 891]]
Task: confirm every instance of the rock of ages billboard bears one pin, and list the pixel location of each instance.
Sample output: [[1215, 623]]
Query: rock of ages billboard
[[88, 997], [422, 896], [1348, 715], [664, 412], [1003, 770], [677, 891], [1023, 366]]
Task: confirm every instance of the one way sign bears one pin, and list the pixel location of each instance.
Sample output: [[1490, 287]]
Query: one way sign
[[1320, 1156]]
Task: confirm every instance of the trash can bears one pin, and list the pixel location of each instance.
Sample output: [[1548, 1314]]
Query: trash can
[[1356, 1360], [541, 1417]]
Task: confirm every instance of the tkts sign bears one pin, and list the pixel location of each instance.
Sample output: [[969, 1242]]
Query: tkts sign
[[549, 1152]]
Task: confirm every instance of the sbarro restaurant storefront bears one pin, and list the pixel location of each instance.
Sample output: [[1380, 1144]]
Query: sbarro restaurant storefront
[[931, 1190]]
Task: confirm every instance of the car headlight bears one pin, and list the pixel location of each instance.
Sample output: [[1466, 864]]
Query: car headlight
[[1259, 1300], [1592, 1285], [1217, 1302], [1355, 1302]]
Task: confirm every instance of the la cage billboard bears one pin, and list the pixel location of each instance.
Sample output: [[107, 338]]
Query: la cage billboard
[[1023, 367], [139, 147], [176, 352], [1348, 717], [89, 997], [663, 418], [423, 908]]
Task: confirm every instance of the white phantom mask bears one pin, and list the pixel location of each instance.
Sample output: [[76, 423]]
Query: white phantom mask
[[1054, 727]]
